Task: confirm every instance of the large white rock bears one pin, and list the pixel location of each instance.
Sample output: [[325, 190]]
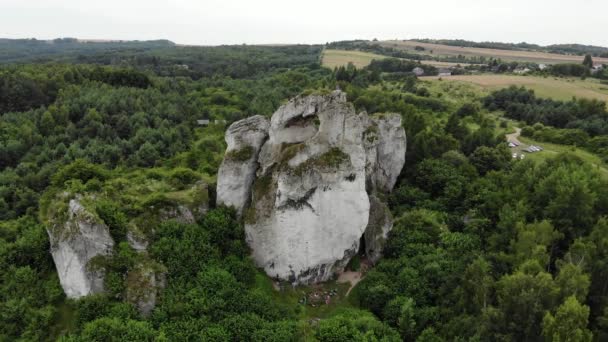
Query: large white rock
[[73, 244], [237, 172], [309, 207]]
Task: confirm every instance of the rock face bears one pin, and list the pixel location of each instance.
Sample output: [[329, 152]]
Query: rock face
[[385, 146], [145, 283], [379, 225], [73, 244], [237, 172], [309, 207]]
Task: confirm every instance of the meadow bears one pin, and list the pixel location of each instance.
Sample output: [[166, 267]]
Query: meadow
[[551, 87]]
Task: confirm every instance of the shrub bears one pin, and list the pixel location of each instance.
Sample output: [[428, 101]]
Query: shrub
[[182, 177]]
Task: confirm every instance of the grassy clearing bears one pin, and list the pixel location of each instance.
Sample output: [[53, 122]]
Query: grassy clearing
[[551, 87], [551, 150], [508, 55], [335, 58], [290, 296]]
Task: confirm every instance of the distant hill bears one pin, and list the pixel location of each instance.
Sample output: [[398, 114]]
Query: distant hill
[[566, 49], [34, 50], [161, 57]]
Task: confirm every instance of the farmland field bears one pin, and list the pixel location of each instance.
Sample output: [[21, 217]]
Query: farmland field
[[508, 55], [335, 58], [556, 88]]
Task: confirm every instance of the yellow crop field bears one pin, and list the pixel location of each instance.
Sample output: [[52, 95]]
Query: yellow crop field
[[335, 58]]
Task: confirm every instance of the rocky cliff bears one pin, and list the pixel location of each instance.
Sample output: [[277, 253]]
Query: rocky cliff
[[303, 186]]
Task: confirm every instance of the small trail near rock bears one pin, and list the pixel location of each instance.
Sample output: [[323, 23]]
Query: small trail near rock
[[513, 137], [350, 277]]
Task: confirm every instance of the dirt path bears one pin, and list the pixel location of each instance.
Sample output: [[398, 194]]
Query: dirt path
[[513, 137], [350, 277]]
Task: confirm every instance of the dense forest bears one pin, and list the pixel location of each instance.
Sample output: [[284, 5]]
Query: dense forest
[[484, 248]]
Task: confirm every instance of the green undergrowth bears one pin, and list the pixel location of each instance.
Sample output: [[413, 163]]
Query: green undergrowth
[[328, 160], [291, 297], [122, 198]]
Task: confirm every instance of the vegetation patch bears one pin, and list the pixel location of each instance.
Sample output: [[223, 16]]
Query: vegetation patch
[[371, 133], [240, 155], [329, 160]]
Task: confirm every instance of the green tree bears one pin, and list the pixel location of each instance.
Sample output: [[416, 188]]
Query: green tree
[[568, 324], [523, 298], [588, 61], [486, 159]]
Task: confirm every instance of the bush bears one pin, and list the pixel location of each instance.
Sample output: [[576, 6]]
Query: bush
[[181, 177], [80, 169]]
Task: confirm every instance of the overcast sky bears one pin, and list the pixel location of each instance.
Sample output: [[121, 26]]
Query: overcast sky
[[212, 22]]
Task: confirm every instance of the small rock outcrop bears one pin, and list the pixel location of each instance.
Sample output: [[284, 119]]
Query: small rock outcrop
[[379, 225], [74, 242], [237, 172], [82, 243], [144, 283], [303, 189]]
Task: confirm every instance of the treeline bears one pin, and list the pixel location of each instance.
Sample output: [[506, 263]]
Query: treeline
[[392, 65], [27, 87], [40, 51], [164, 58]]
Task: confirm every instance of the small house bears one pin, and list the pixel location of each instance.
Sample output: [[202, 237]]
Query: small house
[[521, 71], [203, 122]]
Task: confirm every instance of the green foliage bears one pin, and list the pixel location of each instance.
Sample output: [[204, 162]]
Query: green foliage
[[521, 104], [240, 155], [487, 159], [354, 325], [569, 323]]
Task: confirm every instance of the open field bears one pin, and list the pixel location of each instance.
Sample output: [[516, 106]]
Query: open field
[[508, 55], [335, 58], [556, 88]]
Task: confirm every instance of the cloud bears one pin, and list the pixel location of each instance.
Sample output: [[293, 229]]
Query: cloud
[[313, 21]]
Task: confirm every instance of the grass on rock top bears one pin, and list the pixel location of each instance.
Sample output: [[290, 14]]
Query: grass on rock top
[[240, 155]]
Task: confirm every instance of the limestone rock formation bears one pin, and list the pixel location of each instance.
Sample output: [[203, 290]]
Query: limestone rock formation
[[307, 207], [237, 172], [74, 243]]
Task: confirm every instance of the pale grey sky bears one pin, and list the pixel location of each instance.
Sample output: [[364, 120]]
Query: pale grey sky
[[212, 22]]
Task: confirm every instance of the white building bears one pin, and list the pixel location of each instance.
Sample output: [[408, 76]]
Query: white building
[[418, 71]]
